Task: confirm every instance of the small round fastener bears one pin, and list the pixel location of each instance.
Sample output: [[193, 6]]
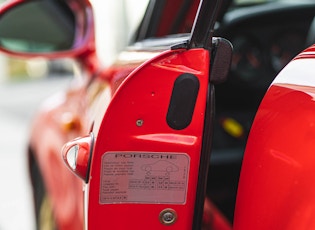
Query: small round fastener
[[139, 122], [168, 216]]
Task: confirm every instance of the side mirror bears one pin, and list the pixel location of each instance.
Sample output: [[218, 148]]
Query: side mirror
[[46, 28]]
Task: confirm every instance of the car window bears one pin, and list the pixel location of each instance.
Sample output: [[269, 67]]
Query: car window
[[167, 17]]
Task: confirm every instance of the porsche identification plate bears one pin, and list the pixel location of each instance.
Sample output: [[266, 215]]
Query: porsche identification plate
[[144, 177]]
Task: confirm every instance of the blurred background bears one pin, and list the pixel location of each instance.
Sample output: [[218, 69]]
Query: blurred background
[[24, 84]]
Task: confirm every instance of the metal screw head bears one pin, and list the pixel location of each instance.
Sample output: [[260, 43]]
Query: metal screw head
[[168, 216], [139, 122]]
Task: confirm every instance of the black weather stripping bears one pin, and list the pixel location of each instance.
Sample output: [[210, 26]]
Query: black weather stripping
[[183, 100]]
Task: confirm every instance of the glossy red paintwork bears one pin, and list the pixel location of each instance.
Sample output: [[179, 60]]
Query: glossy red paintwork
[[308, 53], [119, 132], [276, 189], [64, 119]]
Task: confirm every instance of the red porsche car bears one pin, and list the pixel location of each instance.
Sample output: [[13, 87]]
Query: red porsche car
[[134, 139]]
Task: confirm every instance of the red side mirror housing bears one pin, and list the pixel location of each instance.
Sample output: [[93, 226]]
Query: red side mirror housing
[[51, 29]]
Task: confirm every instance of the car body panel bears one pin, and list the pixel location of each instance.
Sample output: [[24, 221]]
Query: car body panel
[[64, 121], [120, 133], [275, 191], [66, 116]]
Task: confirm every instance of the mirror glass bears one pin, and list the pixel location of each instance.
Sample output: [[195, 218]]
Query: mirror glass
[[38, 26]]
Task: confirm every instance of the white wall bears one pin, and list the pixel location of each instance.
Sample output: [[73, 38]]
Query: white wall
[[3, 68], [114, 21]]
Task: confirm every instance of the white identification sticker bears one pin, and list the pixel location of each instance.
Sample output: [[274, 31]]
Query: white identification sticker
[[144, 177]]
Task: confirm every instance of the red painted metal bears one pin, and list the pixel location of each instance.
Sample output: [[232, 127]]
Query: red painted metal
[[66, 116], [276, 189], [64, 119], [308, 53], [119, 132]]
